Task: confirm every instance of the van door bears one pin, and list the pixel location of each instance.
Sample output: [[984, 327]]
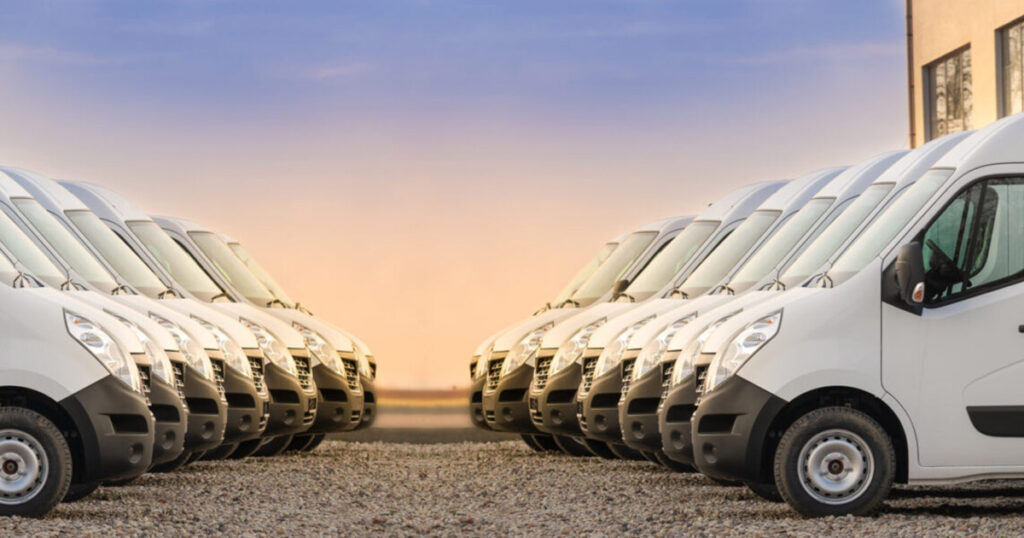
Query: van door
[[958, 367]]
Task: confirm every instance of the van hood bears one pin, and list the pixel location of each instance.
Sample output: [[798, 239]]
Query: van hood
[[680, 310], [337, 340], [75, 304], [512, 334], [640, 311], [566, 328], [711, 313], [224, 322], [724, 333], [107, 303], [281, 330], [144, 305]]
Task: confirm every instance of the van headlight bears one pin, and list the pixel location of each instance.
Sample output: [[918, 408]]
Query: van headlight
[[611, 356], [743, 346], [686, 363], [320, 349], [194, 353], [525, 350], [271, 347], [482, 362], [234, 355], [572, 350], [161, 362], [653, 351], [362, 361], [102, 346]]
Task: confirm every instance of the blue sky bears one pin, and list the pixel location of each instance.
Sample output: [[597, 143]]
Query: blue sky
[[440, 168]]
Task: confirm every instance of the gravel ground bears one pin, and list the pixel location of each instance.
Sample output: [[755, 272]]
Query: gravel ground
[[502, 488]]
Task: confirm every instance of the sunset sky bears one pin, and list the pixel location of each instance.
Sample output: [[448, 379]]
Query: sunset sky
[[424, 173]]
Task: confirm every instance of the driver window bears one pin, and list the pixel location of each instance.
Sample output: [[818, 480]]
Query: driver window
[[976, 240]]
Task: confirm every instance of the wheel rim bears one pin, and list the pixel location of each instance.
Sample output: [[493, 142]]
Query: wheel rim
[[23, 467], [836, 467]]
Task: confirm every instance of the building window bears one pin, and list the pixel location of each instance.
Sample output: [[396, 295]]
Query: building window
[[949, 94], [1011, 88]]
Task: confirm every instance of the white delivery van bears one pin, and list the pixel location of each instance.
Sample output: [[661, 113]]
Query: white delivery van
[[838, 391], [682, 364], [75, 419], [293, 406]]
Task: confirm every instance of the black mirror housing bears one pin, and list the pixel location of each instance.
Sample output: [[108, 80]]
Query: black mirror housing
[[620, 287], [910, 273]]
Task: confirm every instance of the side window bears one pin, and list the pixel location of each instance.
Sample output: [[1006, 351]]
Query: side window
[[976, 242]]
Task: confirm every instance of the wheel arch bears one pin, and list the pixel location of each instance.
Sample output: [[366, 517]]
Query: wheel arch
[[15, 396]]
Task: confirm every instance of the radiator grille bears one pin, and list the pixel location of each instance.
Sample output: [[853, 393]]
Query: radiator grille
[[305, 375], [218, 377], [589, 364], [540, 375], [702, 374], [627, 375], [351, 373], [179, 379], [145, 380], [494, 373], [256, 365]]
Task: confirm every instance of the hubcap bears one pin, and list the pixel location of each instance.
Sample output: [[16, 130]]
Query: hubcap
[[836, 466], [23, 467]]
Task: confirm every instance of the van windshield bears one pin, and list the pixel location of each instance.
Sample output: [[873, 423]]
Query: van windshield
[[882, 231], [261, 274], [175, 260], [68, 247], [232, 268], [672, 259], [116, 253], [582, 275], [834, 235], [614, 268], [25, 251], [719, 263], [768, 257]]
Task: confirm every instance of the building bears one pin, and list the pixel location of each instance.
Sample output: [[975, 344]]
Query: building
[[965, 64]]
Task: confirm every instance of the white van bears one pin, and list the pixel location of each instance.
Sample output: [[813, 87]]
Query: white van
[[333, 364], [641, 391], [293, 406], [504, 400], [75, 419], [682, 363], [835, 392]]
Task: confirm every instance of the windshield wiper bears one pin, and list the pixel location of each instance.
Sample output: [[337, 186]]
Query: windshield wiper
[[627, 296], [569, 302], [25, 280], [300, 308], [166, 292], [221, 295], [68, 285], [679, 294], [278, 302], [120, 289]]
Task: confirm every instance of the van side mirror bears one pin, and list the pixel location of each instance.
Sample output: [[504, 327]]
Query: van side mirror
[[620, 287], [910, 273]]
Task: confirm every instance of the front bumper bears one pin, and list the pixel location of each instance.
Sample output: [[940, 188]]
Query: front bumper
[[290, 403], [169, 414], [247, 406], [552, 398], [505, 402], [207, 410], [115, 428], [638, 410], [730, 430], [674, 414], [340, 401], [598, 409], [369, 402], [476, 403]]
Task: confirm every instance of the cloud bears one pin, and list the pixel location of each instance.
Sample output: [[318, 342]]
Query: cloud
[[338, 71]]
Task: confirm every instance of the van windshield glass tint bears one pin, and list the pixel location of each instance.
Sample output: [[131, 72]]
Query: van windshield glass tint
[[889, 223], [26, 252], [720, 262], [175, 260], [584, 274], [232, 268], [116, 253], [261, 274], [614, 268], [68, 247], [768, 257], [672, 259], [834, 235]]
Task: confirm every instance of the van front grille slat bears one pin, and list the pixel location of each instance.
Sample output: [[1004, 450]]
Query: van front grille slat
[[494, 373], [351, 373], [589, 364], [627, 375], [304, 373], [702, 374], [256, 365], [218, 377], [179, 380], [540, 375], [146, 382]]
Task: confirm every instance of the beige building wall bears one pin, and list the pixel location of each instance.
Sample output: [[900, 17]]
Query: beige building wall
[[939, 27]]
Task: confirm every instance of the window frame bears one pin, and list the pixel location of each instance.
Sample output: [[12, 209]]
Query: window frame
[[1001, 111], [928, 87]]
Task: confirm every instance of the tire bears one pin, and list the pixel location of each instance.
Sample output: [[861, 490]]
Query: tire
[[120, 483], [623, 452], [600, 449], [866, 457], [546, 442], [299, 442], [649, 456], [273, 446], [219, 453], [36, 458], [531, 442], [173, 465], [196, 456], [669, 463], [724, 483], [765, 490], [315, 442], [246, 449], [77, 492], [572, 446]]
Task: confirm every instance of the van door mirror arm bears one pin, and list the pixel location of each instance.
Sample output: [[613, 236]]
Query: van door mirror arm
[[906, 278]]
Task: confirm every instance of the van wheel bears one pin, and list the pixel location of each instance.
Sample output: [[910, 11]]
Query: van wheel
[[299, 442], [623, 452], [765, 490], [219, 453], [600, 449], [117, 483], [531, 442], [273, 446], [35, 463], [672, 464], [246, 449], [724, 483], [77, 492], [649, 456], [835, 461], [173, 465], [546, 442], [572, 446], [315, 442]]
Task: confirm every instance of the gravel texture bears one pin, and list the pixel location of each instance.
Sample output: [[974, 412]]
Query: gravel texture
[[350, 488]]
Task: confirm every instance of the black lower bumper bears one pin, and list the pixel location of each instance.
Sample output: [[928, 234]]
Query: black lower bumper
[[290, 403], [207, 411], [598, 408], [340, 406], [170, 420], [730, 430], [674, 420], [369, 403], [638, 412], [246, 407], [115, 428], [553, 407], [506, 407], [476, 403]]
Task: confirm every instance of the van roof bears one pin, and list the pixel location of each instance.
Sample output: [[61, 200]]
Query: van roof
[[740, 202], [10, 188], [857, 177], [105, 203], [916, 162], [996, 143], [797, 192], [45, 190]]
